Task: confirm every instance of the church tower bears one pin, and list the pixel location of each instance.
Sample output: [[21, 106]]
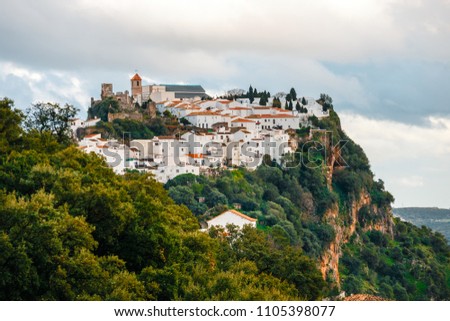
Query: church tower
[[136, 87]]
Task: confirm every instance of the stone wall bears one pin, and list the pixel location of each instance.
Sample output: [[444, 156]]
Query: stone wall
[[132, 116]]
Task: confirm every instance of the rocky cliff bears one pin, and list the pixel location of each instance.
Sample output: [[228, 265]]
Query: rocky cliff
[[345, 216]]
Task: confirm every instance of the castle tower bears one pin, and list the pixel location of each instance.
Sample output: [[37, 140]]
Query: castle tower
[[136, 87], [107, 91]]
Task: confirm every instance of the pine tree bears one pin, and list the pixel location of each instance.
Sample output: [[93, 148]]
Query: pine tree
[[263, 100], [298, 107], [290, 105], [293, 94], [304, 101], [276, 102], [250, 95]]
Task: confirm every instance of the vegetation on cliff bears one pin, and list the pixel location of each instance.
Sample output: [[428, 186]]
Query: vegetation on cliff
[[329, 205], [438, 219]]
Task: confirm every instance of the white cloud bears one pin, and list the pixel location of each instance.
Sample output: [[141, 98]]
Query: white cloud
[[412, 160], [411, 181], [387, 140], [29, 76], [53, 86]]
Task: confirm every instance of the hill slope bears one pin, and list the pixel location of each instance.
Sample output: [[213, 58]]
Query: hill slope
[[435, 218], [328, 204], [70, 229]]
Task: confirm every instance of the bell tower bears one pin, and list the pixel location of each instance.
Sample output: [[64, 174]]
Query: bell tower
[[136, 87]]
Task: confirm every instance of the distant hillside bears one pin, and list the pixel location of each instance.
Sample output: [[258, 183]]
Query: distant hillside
[[435, 218]]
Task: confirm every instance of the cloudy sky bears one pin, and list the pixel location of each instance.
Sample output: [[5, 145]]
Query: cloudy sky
[[386, 63]]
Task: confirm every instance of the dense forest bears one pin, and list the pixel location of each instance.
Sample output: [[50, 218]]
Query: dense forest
[[70, 229]]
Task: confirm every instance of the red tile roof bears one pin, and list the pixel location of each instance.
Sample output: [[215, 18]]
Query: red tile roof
[[239, 108], [242, 120], [195, 155], [251, 219], [204, 113], [136, 77], [257, 116]]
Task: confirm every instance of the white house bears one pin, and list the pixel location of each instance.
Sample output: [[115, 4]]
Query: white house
[[231, 217], [78, 123], [165, 173], [240, 111], [246, 123], [167, 150], [206, 119], [277, 121]]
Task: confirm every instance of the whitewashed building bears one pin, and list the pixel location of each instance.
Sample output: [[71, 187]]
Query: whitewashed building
[[231, 217]]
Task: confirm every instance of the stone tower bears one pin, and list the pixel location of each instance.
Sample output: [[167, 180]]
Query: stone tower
[[107, 91], [136, 87]]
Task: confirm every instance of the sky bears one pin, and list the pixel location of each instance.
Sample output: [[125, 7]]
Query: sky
[[385, 63]]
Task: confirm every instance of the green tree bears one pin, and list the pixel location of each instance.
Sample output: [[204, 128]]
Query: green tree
[[103, 108], [326, 101], [52, 118], [250, 94], [293, 94], [184, 121], [276, 102], [10, 120], [263, 101], [291, 107]]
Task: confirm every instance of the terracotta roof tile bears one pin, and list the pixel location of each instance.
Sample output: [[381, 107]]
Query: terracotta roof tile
[[136, 77], [251, 219], [195, 155], [242, 120], [258, 116]]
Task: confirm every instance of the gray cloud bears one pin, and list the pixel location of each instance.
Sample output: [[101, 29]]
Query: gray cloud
[[382, 59]]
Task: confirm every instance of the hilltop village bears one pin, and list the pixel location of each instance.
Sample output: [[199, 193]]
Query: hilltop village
[[206, 133]]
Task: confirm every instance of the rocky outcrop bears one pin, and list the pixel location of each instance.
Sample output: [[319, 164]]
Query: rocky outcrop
[[345, 229], [364, 297], [345, 222]]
